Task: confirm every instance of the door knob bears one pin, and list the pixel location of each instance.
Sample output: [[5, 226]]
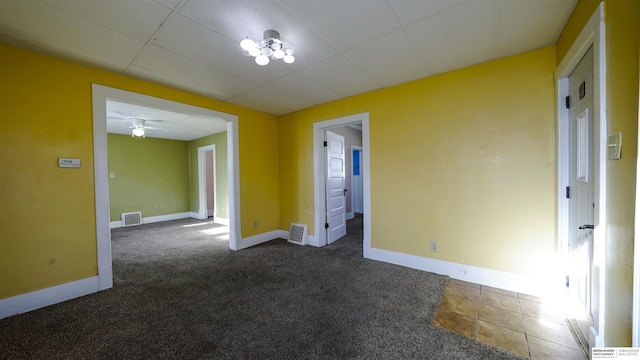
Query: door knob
[[585, 227]]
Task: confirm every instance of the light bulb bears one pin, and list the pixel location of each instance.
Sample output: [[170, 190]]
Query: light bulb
[[254, 51], [289, 51], [267, 51], [262, 60], [276, 45], [138, 131], [288, 59], [247, 44], [278, 54]]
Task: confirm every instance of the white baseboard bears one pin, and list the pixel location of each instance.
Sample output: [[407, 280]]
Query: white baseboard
[[221, 221], [313, 241], [105, 277], [350, 215], [283, 234], [40, 298], [155, 219], [258, 239], [499, 279]]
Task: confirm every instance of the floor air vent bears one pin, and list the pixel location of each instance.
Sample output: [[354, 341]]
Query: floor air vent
[[132, 218], [298, 234]]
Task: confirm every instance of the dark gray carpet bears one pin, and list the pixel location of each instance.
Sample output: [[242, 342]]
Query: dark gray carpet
[[180, 293]]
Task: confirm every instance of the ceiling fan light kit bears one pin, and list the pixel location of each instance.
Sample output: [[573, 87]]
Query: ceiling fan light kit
[[270, 47], [138, 127]]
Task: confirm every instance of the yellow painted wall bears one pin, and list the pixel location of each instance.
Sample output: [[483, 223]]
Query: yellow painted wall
[[47, 214], [622, 23], [47, 221], [150, 175], [466, 158], [622, 37]]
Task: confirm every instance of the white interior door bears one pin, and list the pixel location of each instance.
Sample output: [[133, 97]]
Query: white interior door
[[581, 191], [335, 187]]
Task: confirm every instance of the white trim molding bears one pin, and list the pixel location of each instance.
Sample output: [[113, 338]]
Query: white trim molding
[[221, 221], [499, 279], [592, 35], [52, 295], [155, 219], [261, 238]]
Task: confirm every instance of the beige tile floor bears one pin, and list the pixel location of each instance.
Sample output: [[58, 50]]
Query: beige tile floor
[[522, 324]]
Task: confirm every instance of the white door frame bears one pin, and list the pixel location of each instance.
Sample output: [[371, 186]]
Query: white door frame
[[100, 95], [593, 34], [320, 208], [203, 208]]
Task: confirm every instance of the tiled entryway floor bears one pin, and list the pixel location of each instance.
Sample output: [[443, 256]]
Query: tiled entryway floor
[[522, 324]]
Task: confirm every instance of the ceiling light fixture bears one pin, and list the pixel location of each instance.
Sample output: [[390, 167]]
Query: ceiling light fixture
[[270, 47], [138, 127]]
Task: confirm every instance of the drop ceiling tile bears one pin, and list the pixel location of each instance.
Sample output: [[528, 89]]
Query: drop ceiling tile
[[164, 66], [410, 11], [54, 31], [269, 109], [524, 25], [240, 19], [120, 15], [455, 39], [362, 20], [184, 36], [339, 75], [390, 60], [271, 101], [170, 3], [297, 86]]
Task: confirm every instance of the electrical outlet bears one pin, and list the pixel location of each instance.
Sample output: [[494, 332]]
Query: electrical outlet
[[434, 246]]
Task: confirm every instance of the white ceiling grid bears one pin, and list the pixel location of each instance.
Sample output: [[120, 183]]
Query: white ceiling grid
[[342, 48]]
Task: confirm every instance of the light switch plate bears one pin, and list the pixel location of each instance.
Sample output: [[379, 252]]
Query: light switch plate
[[614, 143]]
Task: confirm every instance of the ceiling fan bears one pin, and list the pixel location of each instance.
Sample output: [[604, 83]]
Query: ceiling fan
[[139, 126]]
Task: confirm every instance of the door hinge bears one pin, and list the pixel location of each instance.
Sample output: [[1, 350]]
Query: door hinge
[[325, 144], [567, 102], [566, 281], [326, 225], [567, 192]]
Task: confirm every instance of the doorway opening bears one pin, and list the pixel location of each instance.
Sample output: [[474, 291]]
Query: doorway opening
[[321, 182], [208, 184], [100, 96]]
